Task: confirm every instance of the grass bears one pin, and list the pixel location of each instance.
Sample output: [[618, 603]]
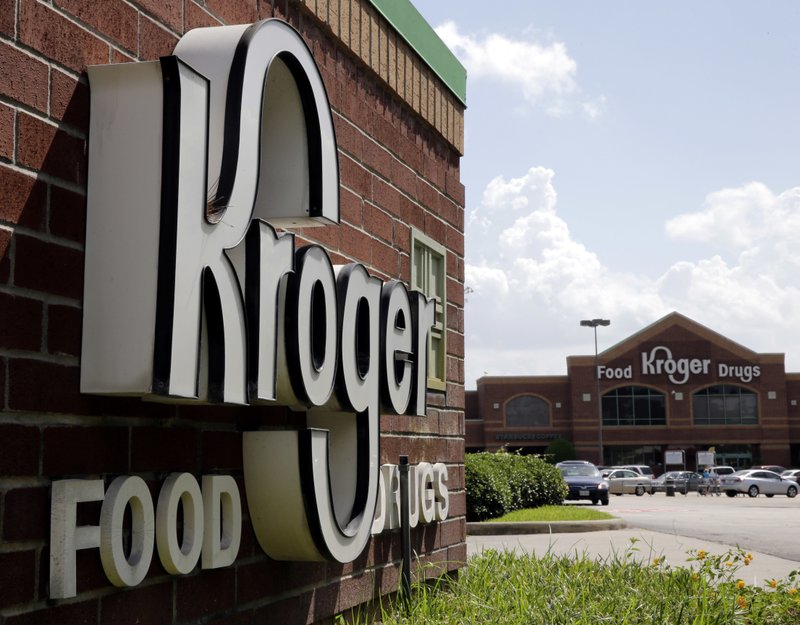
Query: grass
[[555, 513], [505, 588]]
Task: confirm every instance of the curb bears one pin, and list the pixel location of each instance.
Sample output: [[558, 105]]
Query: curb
[[537, 527]]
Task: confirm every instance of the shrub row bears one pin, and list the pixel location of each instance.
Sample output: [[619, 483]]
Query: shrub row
[[497, 483]]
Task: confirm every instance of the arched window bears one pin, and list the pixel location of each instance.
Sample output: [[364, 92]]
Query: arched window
[[527, 411], [634, 405], [725, 404]]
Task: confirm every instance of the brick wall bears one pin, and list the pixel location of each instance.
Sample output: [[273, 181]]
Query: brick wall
[[400, 135]]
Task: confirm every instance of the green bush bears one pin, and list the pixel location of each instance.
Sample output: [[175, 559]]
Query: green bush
[[498, 483]]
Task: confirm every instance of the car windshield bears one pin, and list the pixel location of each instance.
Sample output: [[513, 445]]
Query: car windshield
[[579, 471]]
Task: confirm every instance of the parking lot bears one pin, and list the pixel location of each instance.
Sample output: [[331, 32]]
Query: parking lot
[[767, 525], [672, 526]]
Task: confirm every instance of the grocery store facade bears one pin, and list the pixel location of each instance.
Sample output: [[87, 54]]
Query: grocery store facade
[[231, 306], [675, 385]]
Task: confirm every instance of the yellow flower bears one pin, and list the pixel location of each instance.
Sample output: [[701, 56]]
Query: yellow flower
[[701, 554], [741, 602], [740, 584], [729, 563], [792, 591], [657, 561], [747, 561], [695, 577], [749, 556], [773, 583]]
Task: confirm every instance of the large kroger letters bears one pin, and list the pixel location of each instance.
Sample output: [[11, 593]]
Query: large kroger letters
[[191, 296]]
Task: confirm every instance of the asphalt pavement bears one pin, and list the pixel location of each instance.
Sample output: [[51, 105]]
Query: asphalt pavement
[[669, 527]]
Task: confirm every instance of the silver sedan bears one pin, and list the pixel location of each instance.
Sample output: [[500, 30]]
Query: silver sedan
[[626, 481], [757, 481]]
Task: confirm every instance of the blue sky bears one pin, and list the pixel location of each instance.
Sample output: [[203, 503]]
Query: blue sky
[[623, 160]]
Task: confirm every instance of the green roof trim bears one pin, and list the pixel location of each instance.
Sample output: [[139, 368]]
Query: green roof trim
[[412, 27]]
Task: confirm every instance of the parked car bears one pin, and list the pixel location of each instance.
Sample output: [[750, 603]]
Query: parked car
[[721, 470], [684, 481], [641, 469], [791, 474], [756, 481], [584, 481], [621, 481], [775, 468]]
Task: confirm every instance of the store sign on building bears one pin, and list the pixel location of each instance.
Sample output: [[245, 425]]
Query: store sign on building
[[659, 361], [192, 296]]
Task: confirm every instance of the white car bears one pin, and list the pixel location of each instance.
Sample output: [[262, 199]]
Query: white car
[[627, 481], [791, 474], [757, 481]]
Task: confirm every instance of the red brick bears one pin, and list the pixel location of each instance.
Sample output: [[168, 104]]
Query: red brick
[[26, 514], [378, 159], [48, 267], [20, 323], [63, 330], [44, 30], [155, 42], [355, 177], [198, 17], [67, 214], [350, 207], [203, 595], [5, 255], [114, 18], [164, 449], [24, 199], [7, 133], [151, 605], [435, 228], [386, 259], [24, 77], [84, 613], [44, 147], [69, 101], [7, 17], [269, 577], [169, 12], [348, 137], [356, 244], [85, 450], [378, 223], [234, 11], [17, 577]]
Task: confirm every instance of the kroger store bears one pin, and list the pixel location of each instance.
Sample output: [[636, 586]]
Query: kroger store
[[675, 385], [231, 307]]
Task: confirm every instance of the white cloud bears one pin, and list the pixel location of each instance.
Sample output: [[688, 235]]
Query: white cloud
[[532, 281], [544, 72]]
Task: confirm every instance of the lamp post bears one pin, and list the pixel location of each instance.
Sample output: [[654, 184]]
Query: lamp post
[[593, 323]]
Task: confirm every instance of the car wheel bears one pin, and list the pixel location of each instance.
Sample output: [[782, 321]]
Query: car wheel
[[791, 491], [604, 501], [594, 502], [730, 493], [639, 490], [618, 494], [753, 491], [770, 495]]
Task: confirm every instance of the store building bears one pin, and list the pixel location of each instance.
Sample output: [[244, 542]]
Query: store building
[[231, 299], [675, 385]]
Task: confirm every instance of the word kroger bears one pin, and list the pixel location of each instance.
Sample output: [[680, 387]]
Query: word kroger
[[191, 296], [211, 529], [679, 370]]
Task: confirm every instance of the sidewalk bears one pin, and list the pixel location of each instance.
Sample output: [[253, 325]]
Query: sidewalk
[[647, 544]]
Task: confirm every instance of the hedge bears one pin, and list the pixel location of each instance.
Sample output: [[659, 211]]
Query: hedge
[[497, 483]]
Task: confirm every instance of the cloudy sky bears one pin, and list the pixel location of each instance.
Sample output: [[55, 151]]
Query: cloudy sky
[[623, 160]]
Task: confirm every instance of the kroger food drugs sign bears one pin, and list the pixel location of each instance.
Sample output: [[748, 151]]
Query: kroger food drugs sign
[[192, 296]]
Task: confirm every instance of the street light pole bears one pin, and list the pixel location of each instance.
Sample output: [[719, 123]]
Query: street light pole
[[593, 323]]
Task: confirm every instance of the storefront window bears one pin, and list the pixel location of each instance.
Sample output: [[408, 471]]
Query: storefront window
[[725, 404], [527, 411], [634, 405], [429, 275]]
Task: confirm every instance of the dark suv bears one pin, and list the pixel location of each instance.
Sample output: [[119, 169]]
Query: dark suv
[[584, 481]]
